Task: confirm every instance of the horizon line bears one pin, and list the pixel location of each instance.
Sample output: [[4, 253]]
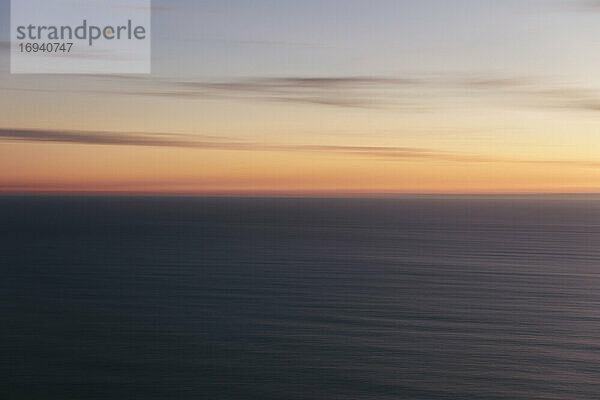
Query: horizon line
[[274, 194]]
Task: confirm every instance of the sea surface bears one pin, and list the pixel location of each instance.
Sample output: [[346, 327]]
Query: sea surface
[[246, 298]]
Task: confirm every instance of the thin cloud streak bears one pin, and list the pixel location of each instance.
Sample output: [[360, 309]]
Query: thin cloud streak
[[390, 153], [408, 93], [107, 138], [202, 142], [331, 91], [366, 92]]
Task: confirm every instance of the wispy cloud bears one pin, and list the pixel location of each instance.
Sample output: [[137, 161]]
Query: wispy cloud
[[538, 94], [331, 91], [112, 138], [407, 93], [570, 98], [399, 153], [399, 92], [342, 91], [497, 82], [201, 142]]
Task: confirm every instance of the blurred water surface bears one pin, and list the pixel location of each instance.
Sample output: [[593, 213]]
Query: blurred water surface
[[193, 298]]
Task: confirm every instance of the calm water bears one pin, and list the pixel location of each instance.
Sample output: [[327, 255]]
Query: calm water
[[166, 298]]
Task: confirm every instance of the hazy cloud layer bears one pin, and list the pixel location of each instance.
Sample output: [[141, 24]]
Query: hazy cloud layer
[[110, 138], [331, 91], [405, 93], [201, 142], [217, 143], [408, 92]]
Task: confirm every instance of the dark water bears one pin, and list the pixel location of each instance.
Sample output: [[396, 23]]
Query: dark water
[[166, 298]]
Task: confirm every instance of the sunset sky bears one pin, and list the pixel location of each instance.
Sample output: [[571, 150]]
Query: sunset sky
[[322, 97]]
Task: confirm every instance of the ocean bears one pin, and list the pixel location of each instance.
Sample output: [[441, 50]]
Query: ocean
[[456, 297]]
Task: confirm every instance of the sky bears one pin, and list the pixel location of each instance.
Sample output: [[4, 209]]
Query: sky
[[319, 98]]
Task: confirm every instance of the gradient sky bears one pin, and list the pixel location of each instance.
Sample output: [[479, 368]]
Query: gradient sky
[[322, 97]]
